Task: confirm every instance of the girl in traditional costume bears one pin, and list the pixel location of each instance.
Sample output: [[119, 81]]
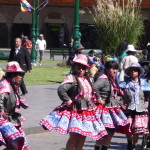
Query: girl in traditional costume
[[11, 133], [110, 102], [136, 104], [77, 114]]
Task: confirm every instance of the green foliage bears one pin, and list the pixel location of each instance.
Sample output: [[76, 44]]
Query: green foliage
[[117, 21]]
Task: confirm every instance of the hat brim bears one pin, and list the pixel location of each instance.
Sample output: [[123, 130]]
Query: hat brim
[[80, 49], [127, 71], [80, 62], [131, 50]]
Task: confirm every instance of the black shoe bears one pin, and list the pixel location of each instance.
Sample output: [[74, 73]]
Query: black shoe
[[104, 147], [129, 145], [97, 148], [135, 147], [101, 147]]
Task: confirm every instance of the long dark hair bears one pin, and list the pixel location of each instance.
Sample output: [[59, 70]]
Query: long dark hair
[[79, 84], [123, 45], [130, 53], [111, 65]]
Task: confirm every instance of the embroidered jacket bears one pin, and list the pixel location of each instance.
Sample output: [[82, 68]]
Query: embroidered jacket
[[134, 93], [82, 98], [105, 91], [9, 103]]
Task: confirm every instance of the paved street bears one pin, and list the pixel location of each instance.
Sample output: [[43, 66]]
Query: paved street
[[51, 141]]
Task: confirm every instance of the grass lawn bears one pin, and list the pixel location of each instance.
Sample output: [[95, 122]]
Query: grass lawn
[[42, 75]]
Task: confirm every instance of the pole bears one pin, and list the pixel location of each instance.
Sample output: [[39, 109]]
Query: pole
[[37, 24], [76, 32], [33, 52]]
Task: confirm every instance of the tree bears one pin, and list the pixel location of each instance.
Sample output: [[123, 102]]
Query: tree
[[117, 21]]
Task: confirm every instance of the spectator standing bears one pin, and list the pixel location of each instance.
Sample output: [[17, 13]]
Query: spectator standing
[[121, 50], [22, 56], [130, 58], [127, 61], [40, 48], [92, 71], [78, 51], [28, 44], [73, 55], [11, 133], [91, 55]]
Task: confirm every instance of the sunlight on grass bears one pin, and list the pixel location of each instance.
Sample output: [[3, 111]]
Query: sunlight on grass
[[43, 75], [50, 62], [3, 61]]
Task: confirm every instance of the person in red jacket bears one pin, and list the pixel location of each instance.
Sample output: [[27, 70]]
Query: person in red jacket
[[27, 44]]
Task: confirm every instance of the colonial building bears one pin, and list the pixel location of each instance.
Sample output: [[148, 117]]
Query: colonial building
[[56, 21]]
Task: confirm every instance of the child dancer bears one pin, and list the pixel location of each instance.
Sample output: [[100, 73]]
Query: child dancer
[[76, 115], [11, 132], [136, 105], [109, 95]]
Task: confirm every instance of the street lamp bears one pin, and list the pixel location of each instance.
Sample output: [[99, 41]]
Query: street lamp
[[76, 32], [33, 52], [35, 27], [37, 24]]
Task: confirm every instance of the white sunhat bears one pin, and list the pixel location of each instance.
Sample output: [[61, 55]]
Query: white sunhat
[[130, 48]]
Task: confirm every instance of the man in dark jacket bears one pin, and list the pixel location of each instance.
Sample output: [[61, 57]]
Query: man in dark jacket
[[22, 56]]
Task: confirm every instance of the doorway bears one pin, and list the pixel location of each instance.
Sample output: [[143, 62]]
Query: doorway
[[54, 35]]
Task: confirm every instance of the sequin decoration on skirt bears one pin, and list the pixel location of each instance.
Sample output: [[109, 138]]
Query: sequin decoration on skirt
[[10, 135], [138, 123], [113, 118], [83, 122]]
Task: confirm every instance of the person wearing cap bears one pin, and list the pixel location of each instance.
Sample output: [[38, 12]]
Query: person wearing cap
[[91, 55], [136, 104], [11, 133], [73, 55], [40, 47], [78, 51], [110, 98], [21, 55], [130, 58], [77, 114]]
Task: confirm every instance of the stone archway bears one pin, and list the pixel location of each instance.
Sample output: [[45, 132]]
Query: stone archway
[[4, 31], [22, 24]]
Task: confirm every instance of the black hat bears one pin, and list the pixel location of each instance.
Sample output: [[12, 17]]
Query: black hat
[[91, 51], [80, 47]]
